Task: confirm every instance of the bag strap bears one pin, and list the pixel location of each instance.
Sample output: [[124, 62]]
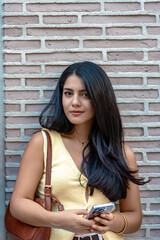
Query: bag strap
[[47, 190]]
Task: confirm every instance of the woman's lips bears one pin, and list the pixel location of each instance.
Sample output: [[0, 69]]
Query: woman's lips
[[76, 113]]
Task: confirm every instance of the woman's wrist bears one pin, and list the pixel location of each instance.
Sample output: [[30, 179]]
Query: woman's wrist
[[120, 223]]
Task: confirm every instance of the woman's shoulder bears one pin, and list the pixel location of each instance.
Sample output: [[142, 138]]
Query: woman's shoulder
[[129, 157], [37, 139]]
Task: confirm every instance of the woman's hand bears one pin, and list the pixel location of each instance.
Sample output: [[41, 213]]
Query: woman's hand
[[103, 223], [71, 220]]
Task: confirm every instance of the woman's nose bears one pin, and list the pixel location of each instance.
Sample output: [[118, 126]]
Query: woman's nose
[[76, 100]]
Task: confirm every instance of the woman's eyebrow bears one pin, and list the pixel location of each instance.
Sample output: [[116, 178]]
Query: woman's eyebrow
[[69, 89]]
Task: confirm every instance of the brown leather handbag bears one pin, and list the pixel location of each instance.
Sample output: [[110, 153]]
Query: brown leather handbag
[[25, 231]]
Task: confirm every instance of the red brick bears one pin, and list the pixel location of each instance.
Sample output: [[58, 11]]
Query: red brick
[[121, 6], [63, 56], [140, 234], [144, 144], [21, 20], [149, 194], [22, 44], [131, 68], [64, 31], [63, 7], [155, 206], [149, 169], [151, 219], [62, 44], [65, 19], [154, 181], [124, 56], [139, 156], [58, 69], [123, 31], [130, 43]]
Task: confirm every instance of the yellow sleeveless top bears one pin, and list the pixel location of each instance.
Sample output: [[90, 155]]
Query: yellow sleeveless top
[[66, 186]]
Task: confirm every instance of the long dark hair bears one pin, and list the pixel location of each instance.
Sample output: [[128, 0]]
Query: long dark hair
[[104, 165]]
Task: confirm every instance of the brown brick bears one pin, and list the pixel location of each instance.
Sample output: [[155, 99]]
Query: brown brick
[[153, 81], [22, 69], [55, 69], [131, 106], [9, 82], [13, 133], [119, 19], [40, 82], [140, 119], [149, 194], [124, 56], [133, 132], [144, 144], [19, 146], [121, 6], [130, 43], [22, 95], [155, 131], [152, 6], [131, 68], [153, 30], [13, 32], [60, 19], [34, 107], [154, 156], [13, 158], [64, 31], [120, 31], [47, 94], [30, 131], [154, 56], [154, 181], [22, 120], [155, 233], [13, 7], [126, 80], [149, 169], [11, 171], [21, 20], [63, 56], [151, 219], [154, 106], [149, 94], [139, 156], [155, 206], [12, 57], [22, 44], [12, 107], [62, 44], [63, 7]]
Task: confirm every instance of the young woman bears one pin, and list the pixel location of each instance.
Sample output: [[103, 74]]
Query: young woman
[[91, 164]]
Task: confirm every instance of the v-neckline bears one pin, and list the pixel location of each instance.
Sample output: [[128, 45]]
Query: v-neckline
[[72, 161]]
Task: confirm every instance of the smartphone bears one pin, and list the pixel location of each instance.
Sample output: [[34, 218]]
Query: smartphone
[[99, 208]]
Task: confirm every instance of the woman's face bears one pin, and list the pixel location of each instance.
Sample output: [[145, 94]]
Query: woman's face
[[76, 102]]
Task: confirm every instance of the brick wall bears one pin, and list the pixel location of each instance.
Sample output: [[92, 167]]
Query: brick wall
[[41, 39]]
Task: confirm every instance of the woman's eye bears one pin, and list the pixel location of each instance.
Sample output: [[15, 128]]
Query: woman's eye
[[67, 93], [85, 94]]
